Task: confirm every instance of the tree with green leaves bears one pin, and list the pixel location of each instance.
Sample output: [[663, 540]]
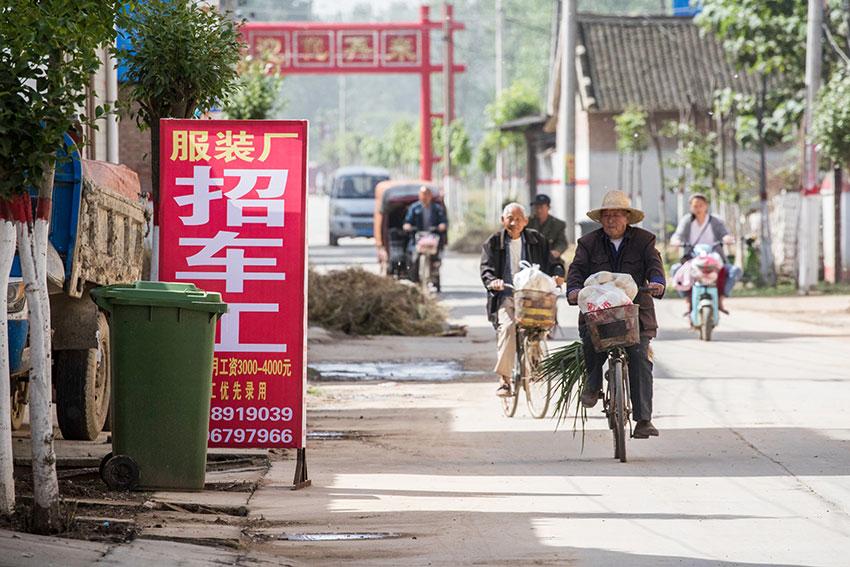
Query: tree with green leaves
[[181, 63], [257, 92], [831, 125], [766, 39], [632, 140], [518, 100], [48, 52]]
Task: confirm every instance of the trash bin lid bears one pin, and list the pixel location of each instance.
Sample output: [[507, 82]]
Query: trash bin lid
[[159, 294]]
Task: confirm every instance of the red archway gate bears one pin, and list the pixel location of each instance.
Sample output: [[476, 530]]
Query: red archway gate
[[392, 47]]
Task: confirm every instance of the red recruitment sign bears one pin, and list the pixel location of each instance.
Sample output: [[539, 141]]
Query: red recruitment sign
[[232, 219]]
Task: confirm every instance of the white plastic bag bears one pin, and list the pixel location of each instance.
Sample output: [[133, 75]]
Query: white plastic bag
[[623, 281], [602, 296], [530, 277]]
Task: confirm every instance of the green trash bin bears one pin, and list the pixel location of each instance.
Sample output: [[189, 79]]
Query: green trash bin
[[162, 337]]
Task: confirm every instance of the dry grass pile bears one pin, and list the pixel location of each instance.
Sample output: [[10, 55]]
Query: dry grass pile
[[358, 302], [470, 240]]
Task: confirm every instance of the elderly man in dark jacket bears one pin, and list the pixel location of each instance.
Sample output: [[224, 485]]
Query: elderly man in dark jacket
[[621, 248], [500, 258]]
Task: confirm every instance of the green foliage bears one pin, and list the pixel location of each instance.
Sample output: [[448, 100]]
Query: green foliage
[[256, 94], [461, 151], [487, 150], [47, 56], [764, 36], [632, 134], [518, 100], [183, 59], [695, 158], [831, 126], [515, 102]]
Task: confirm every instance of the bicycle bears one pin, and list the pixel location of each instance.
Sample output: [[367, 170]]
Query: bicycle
[[534, 315], [612, 330]]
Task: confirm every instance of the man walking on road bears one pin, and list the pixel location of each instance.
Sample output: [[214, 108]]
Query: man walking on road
[[620, 247], [552, 228], [501, 255]]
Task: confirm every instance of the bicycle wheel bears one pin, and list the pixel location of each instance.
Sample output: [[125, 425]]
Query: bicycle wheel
[[537, 389], [618, 401], [424, 272], [509, 404]]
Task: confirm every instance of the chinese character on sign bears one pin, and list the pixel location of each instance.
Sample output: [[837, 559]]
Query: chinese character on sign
[[190, 145], [230, 147], [401, 48], [271, 50], [230, 341], [235, 262], [270, 197], [357, 48], [313, 48]]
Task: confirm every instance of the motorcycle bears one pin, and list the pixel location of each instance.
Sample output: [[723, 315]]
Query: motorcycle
[[700, 274], [426, 260]]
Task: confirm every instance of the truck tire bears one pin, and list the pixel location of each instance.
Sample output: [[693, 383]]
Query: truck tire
[[83, 387], [20, 389]]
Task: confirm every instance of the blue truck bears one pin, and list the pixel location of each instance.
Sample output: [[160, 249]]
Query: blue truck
[[97, 231]]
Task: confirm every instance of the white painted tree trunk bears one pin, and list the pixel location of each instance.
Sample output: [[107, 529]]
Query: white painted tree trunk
[[33, 254], [7, 482]]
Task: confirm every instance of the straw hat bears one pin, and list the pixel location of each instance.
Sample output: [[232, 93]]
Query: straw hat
[[617, 200]]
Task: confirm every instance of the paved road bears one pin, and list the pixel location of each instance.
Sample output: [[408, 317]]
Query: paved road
[[751, 467]]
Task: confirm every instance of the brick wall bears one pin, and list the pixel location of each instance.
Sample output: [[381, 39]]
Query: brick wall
[[134, 146]]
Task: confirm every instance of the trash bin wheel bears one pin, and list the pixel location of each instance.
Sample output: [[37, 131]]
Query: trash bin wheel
[[105, 458], [120, 472], [83, 387]]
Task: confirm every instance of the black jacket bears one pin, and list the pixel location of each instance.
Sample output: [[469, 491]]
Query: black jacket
[[493, 262], [638, 257]]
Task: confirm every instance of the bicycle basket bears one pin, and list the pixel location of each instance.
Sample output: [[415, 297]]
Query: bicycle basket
[[535, 309], [428, 243], [613, 327]]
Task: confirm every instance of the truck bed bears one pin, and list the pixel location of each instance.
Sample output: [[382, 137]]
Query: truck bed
[[109, 245]]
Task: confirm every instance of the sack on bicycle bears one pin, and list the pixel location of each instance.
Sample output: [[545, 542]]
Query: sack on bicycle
[[605, 290]]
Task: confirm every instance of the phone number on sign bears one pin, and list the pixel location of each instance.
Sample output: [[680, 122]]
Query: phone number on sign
[[227, 435], [251, 414]]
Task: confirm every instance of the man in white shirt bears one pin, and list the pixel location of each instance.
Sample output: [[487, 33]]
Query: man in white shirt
[[500, 258]]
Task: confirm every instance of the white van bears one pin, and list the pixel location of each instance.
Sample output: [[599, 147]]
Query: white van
[[352, 201]]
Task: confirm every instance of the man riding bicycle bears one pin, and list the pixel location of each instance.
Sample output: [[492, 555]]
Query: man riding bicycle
[[620, 247], [501, 255]]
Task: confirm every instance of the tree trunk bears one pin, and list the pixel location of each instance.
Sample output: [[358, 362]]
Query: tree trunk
[[739, 214], [32, 248], [620, 185], [836, 208], [662, 191], [7, 254], [721, 140], [639, 181], [767, 269]]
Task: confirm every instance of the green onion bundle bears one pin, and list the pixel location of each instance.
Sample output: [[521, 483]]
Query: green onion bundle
[[566, 373]]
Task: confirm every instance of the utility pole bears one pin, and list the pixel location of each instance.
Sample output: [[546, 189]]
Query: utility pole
[[808, 252], [448, 110], [343, 150], [564, 200], [500, 162]]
